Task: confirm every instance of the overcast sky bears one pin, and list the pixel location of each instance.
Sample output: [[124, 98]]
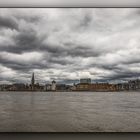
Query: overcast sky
[[68, 44]]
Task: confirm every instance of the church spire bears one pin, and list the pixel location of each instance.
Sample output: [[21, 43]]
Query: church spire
[[32, 81]]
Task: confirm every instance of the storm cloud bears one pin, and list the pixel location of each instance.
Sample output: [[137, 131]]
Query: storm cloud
[[66, 44]]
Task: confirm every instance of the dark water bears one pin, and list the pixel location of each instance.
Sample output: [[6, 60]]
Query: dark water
[[69, 112]]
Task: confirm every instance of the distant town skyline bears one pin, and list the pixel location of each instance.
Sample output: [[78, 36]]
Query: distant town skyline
[[67, 44]]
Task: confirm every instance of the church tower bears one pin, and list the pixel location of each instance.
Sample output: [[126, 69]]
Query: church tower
[[32, 81]]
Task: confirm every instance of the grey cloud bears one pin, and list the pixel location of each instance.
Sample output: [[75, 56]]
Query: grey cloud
[[86, 20], [30, 18], [25, 41], [122, 76], [7, 22], [69, 48], [83, 52]]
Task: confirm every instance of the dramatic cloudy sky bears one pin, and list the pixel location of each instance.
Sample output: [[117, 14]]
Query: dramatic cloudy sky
[[69, 44]]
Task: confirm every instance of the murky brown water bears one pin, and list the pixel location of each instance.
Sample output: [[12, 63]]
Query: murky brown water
[[69, 111]]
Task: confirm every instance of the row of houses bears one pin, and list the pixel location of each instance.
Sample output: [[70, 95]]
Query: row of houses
[[21, 87], [132, 85], [95, 87], [83, 85], [36, 87], [86, 85]]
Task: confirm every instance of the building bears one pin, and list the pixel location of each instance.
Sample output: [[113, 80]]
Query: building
[[83, 87], [85, 81], [134, 84], [96, 87], [103, 87], [120, 87], [5, 87], [1, 87], [53, 86], [63, 87], [47, 87], [18, 87], [73, 87]]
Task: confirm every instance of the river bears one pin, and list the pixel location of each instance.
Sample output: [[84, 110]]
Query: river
[[69, 112]]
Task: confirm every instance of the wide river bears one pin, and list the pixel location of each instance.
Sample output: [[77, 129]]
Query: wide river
[[69, 111]]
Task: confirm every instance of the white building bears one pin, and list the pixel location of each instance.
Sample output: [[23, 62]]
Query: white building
[[53, 87]]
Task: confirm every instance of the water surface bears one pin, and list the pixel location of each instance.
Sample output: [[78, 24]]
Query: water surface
[[69, 112]]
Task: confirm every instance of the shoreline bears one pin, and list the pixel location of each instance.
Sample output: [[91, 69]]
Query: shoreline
[[75, 91]]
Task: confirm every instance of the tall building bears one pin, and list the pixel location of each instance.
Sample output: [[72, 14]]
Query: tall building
[[85, 81], [32, 81]]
